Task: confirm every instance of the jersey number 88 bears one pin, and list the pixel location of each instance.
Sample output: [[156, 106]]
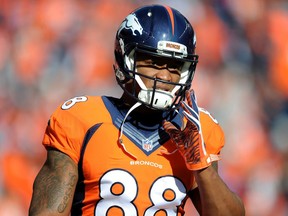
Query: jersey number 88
[[124, 200]]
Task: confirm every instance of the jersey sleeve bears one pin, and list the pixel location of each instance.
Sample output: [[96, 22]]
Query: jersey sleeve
[[69, 123], [213, 134], [63, 134]]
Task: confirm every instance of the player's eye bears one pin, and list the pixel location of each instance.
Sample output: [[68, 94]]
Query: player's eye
[[160, 62], [175, 65], [150, 62]]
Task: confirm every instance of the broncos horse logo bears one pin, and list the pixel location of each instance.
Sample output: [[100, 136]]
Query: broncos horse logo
[[131, 22]]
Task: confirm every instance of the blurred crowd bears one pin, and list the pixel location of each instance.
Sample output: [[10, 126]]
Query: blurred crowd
[[53, 50]]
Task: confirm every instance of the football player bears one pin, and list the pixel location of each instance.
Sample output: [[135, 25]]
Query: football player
[[147, 152]]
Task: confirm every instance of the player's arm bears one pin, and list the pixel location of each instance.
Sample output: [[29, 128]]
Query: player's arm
[[212, 196], [195, 194], [54, 186]]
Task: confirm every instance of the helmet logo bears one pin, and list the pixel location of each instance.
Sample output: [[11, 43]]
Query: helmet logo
[[131, 22]]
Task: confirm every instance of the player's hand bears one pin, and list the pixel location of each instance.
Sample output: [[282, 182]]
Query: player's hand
[[190, 141]]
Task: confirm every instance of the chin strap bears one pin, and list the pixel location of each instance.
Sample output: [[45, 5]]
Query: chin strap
[[120, 140]]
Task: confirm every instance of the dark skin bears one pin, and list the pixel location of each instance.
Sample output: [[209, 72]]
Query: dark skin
[[55, 184], [54, 188], [213, 193]]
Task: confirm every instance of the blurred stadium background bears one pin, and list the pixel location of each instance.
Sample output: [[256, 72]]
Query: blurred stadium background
[[52, 50]]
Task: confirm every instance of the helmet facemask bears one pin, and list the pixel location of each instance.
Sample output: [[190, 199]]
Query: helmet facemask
[[152, 97]]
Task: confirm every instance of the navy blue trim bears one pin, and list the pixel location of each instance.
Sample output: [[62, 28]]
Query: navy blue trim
[[79, 195], [138, 133]]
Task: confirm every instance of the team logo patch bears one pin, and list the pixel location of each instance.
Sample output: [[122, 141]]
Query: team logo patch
[[147, 145]]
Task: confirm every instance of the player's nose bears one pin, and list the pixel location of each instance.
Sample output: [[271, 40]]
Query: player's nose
[[164, 74]]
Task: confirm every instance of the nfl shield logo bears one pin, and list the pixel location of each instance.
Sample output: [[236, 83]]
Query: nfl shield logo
[[147, 145]]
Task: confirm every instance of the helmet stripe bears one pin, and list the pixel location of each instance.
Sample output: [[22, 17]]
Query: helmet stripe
[[170, 12]]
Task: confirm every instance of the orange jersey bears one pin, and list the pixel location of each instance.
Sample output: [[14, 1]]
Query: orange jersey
[[134, 179]]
